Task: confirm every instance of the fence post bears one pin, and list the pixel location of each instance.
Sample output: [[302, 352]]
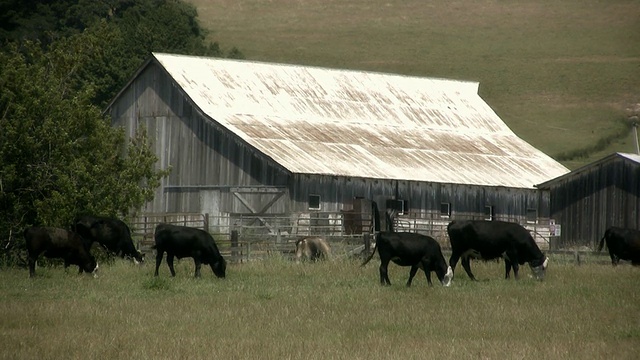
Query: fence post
[[234, 245], [577, 257]]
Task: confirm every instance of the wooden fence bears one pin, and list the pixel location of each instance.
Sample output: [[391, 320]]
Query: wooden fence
[[246, 238], [243, 238]]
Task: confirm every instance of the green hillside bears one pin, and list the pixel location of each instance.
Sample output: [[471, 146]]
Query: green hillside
[[562, 74]]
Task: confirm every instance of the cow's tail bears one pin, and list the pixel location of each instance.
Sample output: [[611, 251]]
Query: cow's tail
[[371, 256], [601, 245]]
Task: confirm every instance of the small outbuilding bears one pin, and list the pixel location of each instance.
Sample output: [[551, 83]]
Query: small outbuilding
[[246, 138], [588, 200]]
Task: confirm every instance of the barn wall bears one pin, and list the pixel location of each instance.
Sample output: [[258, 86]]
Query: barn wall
[[605, 194], [468, 201], [201, 154], [424, 199]]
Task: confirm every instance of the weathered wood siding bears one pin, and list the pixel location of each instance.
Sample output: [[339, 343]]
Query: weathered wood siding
[[198, 152], [424, 199], [603, 195]]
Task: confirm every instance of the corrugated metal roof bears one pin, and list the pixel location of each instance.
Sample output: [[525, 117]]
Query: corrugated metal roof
[[315, 120], [628, 156]]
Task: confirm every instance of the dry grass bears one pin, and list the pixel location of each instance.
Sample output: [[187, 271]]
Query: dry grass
[[560, 73], [276, 309]]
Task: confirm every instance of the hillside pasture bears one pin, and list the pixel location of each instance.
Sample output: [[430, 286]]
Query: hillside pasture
[[561, 74], [276, 309]]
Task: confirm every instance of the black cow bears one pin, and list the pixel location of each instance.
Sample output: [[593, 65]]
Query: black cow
[[312, 248], [112, 234], [623, 244], [407, 249], [487, 240], [58, 243], [183, 241], [411, 249]]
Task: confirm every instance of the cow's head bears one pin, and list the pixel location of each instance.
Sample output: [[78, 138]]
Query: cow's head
[[219, 267], [446, 281], [539, 269], [139, 257], [301, 245]]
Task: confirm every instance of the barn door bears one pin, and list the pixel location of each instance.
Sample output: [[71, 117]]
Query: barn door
[[258, 201]]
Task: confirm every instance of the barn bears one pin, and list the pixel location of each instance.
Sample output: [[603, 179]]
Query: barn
[[601, 194], [290, 147]]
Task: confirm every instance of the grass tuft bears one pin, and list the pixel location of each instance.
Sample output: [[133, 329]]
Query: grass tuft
[[157, 283]]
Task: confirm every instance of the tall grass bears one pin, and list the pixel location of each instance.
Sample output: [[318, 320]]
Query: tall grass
[[559, 73], [276, 309]]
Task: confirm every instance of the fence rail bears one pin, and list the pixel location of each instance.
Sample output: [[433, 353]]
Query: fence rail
[[243, 238]]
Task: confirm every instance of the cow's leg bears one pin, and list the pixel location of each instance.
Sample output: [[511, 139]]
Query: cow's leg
[[32, 267], [507, 268], [427, 271], [198, 266], [516, 268], [614, 258], [384, 276], [453, 260], [412, 273], [159, 256], [170, 263], [466, 264]]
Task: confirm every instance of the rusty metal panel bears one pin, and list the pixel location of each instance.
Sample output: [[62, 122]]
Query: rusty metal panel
[[321, 121]]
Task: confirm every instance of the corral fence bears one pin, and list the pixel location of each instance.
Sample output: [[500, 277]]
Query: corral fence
[[242, 238]]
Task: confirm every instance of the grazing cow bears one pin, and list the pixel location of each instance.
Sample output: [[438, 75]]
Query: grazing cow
[[487, 240], [58, 243], [312, 248], [623, 244], [407, 249], [411, 249], [112, 234], [182, 241]]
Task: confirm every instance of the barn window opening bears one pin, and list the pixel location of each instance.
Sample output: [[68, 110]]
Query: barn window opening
[[314, 202], [445, 209], [489, 212], [532, 216], [400, 206]]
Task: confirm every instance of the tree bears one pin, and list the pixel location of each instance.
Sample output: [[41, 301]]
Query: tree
[[125, 32], [59, 156], [61, 63]]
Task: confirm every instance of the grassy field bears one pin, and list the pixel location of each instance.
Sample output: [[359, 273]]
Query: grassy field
[[276, 309], [561, 74]]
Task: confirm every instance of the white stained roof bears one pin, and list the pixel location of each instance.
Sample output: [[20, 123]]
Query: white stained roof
[[315, 120]]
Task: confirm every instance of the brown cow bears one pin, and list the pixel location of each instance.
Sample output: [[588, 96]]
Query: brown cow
[[312, 248]]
